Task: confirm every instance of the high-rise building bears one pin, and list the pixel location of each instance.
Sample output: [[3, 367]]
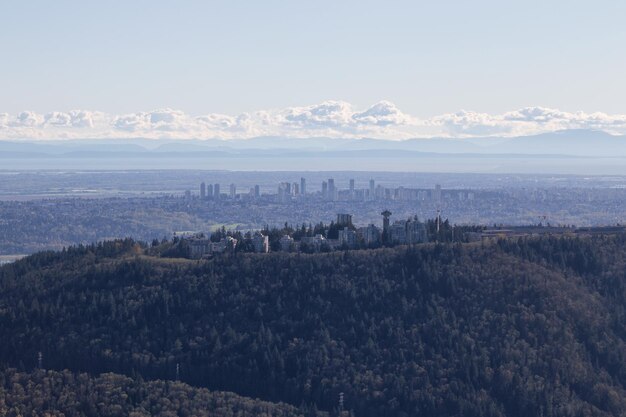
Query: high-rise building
[[302, 186], [233, 191], [370, 235], [347, 237], [437, 194], [203, 191], [257, 191], [209, 191], [385, 215], [284, 190], [324, 190], [331, 189], [344, 219], [216, 191], [296, 188], [352, 186], [372, 190]]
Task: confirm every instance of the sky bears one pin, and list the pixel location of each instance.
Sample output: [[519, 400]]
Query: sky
[[392, 69]]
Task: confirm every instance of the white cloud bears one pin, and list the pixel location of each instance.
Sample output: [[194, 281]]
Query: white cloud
[[527, 121], [329, 114], [330, 118], [383, 113]]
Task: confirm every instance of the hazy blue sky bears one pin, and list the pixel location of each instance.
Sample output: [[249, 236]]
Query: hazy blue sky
[[427, 57]]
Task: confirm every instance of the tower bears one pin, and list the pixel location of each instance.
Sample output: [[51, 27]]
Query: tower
[[216, 191], [385, 215], [302, 186], [331, 189], [372, 189], [202, 191], [437, 194]]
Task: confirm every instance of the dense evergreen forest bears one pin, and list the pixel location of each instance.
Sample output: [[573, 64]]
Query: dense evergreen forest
[[66, 394], [534, 326]]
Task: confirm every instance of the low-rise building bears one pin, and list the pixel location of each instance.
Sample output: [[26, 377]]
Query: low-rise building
[[287, 244], [260, 243], [313, 242]]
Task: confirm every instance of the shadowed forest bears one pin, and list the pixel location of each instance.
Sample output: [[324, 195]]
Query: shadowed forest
[[535, 326]]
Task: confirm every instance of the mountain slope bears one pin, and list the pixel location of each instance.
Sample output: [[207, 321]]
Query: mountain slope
[[518, 328]]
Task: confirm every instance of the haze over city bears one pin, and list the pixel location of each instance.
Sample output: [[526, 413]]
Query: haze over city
[[312, 208]]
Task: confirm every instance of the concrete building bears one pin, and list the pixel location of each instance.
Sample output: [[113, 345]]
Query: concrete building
[[216, 191], [257, 191], [199, 247], [302, 186], [233, 191], [397, 233], [385, 235], [260, 243], [313, 242], [209, 191], [437, 194], [415, 231], [347, 238], [332, 191], [344, 219], [227, 244], [287, 244], [370, 235], [203, 191]]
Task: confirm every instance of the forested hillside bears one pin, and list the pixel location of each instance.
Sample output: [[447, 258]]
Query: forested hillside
[[512, 328], [65, 394]]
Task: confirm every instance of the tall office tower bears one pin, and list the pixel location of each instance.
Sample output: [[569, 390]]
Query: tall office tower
[[216, 191], [344, 219], [233, 191], [324, 190], [302, 186], [257, 191], [203, 191], [372, 190], [331, 189], [352, 186], [296, 188], [386, 215], [437, 194], [288, 188], [209, 191]]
